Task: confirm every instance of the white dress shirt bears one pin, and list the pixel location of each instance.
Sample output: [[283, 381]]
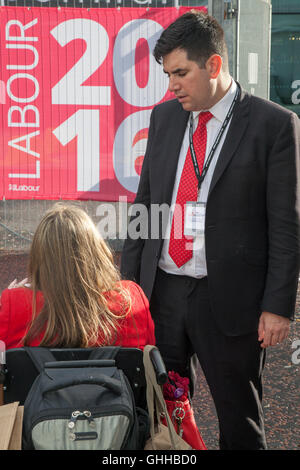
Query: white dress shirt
[[196, 266]]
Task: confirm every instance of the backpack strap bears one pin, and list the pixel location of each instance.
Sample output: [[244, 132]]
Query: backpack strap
[[105, 352], [39, 356]]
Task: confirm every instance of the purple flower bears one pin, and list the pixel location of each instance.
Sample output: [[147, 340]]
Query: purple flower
[[178, 392]]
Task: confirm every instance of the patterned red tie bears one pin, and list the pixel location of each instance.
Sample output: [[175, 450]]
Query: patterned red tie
[[180, 247]]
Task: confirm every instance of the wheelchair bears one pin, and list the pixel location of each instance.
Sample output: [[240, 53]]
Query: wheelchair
[[20, 371]]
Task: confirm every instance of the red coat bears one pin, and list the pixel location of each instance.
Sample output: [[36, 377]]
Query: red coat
[[135, 330]]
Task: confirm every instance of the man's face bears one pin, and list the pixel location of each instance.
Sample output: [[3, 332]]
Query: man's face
[[190, 83]]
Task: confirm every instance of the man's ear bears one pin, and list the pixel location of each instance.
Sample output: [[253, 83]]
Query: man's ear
[[214, 65]]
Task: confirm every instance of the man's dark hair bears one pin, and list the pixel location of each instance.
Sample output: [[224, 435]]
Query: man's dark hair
[[199, 34]]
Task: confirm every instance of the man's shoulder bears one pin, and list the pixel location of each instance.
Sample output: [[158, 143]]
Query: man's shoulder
[[169, 106], [269, 108], [169, 113]]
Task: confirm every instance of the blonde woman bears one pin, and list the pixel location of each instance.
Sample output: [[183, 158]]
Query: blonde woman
[[75, 297]]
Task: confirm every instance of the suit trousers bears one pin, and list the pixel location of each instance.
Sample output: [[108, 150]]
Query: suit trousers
[[232, 365]]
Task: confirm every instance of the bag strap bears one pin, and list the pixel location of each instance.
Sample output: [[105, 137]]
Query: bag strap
[[39, 356], [155, 398], [109, 383]]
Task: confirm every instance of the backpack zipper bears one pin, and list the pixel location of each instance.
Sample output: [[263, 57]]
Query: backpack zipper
[[75, 415]]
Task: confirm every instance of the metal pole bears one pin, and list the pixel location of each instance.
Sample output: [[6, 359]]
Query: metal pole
[[216, 9], [237, 71]]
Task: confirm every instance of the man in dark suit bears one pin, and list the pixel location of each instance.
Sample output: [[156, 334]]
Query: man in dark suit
[[222, 272]]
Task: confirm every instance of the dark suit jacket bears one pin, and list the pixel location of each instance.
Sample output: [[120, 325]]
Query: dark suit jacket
[[252, 219]]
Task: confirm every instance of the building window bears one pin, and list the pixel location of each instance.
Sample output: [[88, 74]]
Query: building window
[[285, 55]]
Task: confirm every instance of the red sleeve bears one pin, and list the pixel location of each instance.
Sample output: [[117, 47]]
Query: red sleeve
[[4, 315], [15, 315], [137, 328], [150, 338]]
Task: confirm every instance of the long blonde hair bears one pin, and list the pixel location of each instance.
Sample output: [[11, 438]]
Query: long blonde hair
[[74, 268]]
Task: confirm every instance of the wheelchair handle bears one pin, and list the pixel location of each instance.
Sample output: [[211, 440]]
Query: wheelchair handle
[[80, 363], [2, 374], [159, 366]]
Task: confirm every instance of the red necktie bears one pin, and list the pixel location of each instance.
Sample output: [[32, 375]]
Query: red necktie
[[181, 247]]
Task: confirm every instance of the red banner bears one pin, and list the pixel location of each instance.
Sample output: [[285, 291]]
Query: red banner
[[76, 91]]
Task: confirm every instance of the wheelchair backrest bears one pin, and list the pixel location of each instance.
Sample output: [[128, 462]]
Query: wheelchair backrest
[[21, 371]]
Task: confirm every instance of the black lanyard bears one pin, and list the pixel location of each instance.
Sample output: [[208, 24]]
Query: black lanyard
[[200, 177]]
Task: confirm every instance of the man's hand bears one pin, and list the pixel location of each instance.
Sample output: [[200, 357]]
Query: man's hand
[[272, 329]]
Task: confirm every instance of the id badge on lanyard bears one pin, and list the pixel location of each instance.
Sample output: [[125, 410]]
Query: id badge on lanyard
[[194, 220], [194, 216]]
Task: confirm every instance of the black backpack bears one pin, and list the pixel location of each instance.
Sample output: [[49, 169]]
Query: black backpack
[[82, 405]]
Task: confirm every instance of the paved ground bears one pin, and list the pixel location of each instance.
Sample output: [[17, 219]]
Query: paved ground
[[281, 378], [281, 400]]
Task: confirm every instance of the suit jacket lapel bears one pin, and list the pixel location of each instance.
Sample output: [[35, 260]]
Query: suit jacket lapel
[[234, 135]]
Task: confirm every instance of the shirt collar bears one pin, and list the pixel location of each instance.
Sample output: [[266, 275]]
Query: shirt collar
[[221, 108]]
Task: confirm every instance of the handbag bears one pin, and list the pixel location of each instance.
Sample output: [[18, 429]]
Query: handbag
[[11, 420], [182, 415], [162, 437], [176, 395]]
